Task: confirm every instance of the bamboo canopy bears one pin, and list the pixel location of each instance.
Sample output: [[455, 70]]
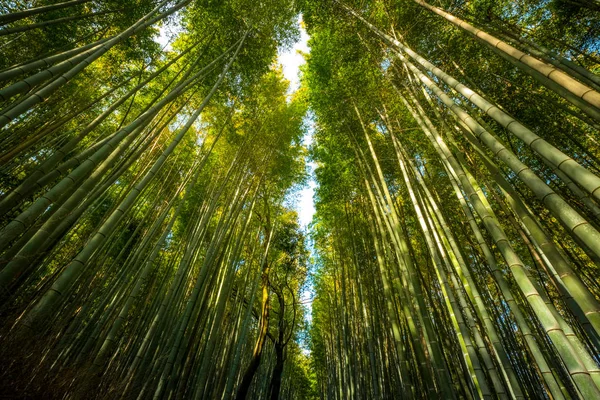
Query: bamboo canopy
[[154, 159]]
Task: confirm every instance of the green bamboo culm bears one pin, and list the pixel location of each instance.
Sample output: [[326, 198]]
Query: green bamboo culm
[[299, 199]]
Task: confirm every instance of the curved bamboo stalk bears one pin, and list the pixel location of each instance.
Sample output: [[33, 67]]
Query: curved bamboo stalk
[[17, 15], [575, 87]]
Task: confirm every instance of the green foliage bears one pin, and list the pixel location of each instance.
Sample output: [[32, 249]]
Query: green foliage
[[146, 249]]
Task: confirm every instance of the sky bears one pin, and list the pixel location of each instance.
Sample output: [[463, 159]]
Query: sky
[[291, 60]]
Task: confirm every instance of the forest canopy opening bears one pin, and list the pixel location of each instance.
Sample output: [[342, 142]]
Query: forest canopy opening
[[158, 168]]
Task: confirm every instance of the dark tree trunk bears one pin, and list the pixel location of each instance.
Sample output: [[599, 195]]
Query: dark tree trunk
[[262, 335], [248, 376], [277, 373], [275, 385]]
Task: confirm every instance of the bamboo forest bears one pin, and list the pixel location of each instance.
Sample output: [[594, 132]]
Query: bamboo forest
[[299, 199]]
